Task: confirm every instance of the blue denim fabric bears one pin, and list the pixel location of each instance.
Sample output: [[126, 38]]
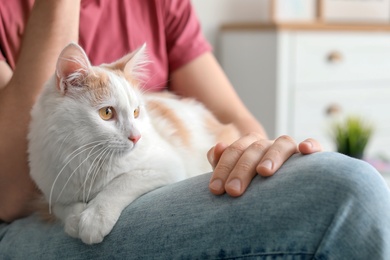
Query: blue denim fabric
[[320, 206]]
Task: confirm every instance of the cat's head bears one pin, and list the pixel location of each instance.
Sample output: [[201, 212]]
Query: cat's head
[[99, 104]]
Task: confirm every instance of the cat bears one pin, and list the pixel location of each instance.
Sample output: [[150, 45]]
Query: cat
[[97, 142]]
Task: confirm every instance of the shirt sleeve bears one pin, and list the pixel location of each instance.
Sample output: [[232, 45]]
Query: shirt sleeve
[[184, 38]]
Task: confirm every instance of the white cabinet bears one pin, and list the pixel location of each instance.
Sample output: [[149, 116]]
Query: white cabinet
[[291, 78]]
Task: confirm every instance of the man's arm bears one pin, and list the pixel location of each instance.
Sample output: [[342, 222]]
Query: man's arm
[[52, 25], [235, 164], [204, 80]]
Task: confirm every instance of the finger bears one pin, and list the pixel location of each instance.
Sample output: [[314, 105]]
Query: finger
[[218, 151], [214, 154], [277, 154], [210, 156], [227, 161], [245, 169], [309, 146]]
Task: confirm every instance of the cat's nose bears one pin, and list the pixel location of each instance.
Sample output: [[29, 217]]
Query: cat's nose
[[134, 138]]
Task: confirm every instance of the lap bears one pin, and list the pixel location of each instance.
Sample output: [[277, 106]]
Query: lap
[[307, 208]]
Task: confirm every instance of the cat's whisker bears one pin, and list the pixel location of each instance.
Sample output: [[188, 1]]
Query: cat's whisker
[[62, 169], [83, 187], [62, 143], [78, 191], [97, 170], [74, 171], [109, 163], [83, 146], [91, 168], [93, 174], [109, 155], [86, 178]]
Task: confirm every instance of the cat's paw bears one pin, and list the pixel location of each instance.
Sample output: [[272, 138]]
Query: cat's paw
[[73, 219], [95, 224]]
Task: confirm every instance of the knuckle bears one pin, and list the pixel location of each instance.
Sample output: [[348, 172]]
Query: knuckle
[[236, 148], [286, 139], [274, 153], [259, 145], [245, 167], [256, 135], [222, 170]]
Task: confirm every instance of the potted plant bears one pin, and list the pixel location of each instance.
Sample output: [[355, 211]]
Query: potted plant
[[351, 136]]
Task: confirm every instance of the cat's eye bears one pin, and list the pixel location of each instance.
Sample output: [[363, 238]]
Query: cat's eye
[[136, 112], [106, 113]]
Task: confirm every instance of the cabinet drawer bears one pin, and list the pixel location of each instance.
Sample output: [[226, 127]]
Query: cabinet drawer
[[339, 57], [310, 118]]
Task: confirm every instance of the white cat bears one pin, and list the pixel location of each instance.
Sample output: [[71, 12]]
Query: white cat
[[97, 143]]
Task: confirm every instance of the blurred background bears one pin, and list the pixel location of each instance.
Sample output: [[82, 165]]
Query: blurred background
[[303, 67]]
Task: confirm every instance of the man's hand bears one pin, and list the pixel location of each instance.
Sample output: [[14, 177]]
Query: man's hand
[[237, 164]]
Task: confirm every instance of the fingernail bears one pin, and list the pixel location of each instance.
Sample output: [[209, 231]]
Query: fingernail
[[216, 185], [267, 164], [235, 185]]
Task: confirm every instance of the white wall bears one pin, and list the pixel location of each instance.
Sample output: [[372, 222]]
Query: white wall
[[213, 13]]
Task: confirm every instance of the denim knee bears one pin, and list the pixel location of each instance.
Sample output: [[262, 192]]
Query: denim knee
[[358, 199], [343, 174]]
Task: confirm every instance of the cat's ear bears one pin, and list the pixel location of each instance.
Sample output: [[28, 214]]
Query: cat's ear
[[72, 67], [133, 63]]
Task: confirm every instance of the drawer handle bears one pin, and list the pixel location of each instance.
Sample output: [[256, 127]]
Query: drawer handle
[[335, 57], [333, 110]]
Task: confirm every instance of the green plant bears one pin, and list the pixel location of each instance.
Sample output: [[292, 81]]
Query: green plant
[[352, 135]]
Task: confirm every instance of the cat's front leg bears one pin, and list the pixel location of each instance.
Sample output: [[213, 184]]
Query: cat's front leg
[[97, 221], [70, 216], [101, 214]]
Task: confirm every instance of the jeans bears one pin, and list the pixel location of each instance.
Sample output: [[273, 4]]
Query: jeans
[[319, 206]]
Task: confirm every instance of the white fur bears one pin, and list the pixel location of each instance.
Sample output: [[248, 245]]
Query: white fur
[[87, 168]]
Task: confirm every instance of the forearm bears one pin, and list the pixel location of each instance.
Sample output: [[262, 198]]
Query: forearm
[[248, 125], [204, 80], [52, 24]]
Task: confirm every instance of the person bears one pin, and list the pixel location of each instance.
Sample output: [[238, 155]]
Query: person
[[316, 204]]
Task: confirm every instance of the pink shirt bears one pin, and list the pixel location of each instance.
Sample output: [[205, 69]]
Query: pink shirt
[[110, 29]]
